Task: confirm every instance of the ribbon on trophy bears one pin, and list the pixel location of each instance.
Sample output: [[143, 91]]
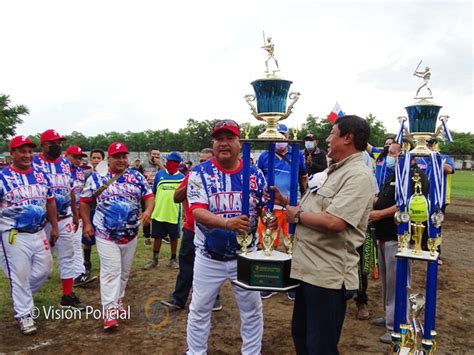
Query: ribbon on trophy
[[446, 131], [437, 186], [402, 179], [399, 137]]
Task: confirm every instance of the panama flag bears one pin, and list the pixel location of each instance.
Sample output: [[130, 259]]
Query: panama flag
[[336, 112]]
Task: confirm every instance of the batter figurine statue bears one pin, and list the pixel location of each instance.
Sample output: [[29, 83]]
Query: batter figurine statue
[[426, 76], [270, 48]]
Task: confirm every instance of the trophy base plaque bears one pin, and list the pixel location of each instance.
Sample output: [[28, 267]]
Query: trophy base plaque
[[259, 272], [423, 255]]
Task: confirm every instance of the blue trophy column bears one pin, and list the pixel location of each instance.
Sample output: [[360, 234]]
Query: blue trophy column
[[271, 175], [295, 149], [245, 178]]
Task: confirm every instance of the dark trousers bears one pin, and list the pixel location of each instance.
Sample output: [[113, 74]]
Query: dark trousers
[[184, 281], [318, 316], [363, 280]]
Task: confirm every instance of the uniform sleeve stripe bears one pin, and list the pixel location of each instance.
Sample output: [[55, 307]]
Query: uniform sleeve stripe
[[86, 199], [198, 205], [147, 196]]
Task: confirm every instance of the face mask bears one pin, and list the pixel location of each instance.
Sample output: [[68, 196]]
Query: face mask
[[391, 162], [281, 146], [172, 166], [309, 145], [54, 151]]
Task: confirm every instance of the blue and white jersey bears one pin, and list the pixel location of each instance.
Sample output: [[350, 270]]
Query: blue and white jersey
[[118, 206], [60, 176], [220, 192], [23, 197], [282, 170], [79, 180], [425, 165]]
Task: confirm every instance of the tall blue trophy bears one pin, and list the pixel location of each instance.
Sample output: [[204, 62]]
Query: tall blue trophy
[[416, 214], [268, 269]]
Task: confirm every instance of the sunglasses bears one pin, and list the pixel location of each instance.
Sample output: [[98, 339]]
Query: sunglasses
[[225, 123]]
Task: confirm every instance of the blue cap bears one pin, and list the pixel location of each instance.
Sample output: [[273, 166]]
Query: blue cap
[[282, 128], [174, 156]]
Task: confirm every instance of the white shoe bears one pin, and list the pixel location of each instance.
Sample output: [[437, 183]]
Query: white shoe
[[27, 325]]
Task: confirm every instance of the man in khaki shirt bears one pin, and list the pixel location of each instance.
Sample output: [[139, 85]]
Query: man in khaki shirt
[[331, 225]]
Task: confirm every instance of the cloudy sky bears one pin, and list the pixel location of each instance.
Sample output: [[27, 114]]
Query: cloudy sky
[[99, 66]]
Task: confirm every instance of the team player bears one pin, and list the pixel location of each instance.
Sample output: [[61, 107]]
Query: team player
[[75, 154], [215, 196], [116, 220], [26, 199], [167, 213], [58, 170]]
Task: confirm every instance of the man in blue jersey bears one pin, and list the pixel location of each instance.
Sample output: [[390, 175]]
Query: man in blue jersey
[[215, 197], [58, 170], [282, 181], [166, 214], [26, 201]]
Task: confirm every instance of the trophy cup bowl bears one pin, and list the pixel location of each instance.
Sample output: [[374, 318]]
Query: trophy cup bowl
[[422, 117]]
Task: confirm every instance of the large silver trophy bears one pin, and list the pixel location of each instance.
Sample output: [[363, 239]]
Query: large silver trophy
[[268, 269]]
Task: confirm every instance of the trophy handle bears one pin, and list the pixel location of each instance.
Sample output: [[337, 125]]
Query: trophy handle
[[249, 98], [295, 97]]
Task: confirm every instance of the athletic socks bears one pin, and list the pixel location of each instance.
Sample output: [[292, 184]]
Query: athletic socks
[[156, 254], [87, 254], [67, 286]]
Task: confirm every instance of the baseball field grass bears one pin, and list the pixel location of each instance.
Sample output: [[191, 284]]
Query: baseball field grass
[[463, 184], [50, 293]]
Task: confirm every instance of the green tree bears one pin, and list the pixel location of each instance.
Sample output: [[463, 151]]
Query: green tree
[[10, 116]]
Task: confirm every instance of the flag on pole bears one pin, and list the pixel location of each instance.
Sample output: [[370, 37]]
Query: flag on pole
[[336, 112]]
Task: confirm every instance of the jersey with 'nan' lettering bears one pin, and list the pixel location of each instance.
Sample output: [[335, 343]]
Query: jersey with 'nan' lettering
[[118, 206], [23, 197], [79, 180], [220, 192], [60, 176]]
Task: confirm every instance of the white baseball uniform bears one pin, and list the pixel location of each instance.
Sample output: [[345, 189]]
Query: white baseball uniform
[[79, 179], [220, 192], [60, 176], [116, 227], [24, 255]]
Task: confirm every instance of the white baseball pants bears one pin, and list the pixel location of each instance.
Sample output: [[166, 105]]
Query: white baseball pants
[[209, 275], [27, 262], [115, 264], [64, 247], [79, 267]]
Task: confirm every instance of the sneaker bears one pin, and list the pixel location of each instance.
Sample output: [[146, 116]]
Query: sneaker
[[72, 301], [84, 279], [266, 294], [167, 239], [27, 325], [147, 241], [363, 311], [380, 322], [110, 321], [386, 338], [217, 305], [151, 264], [291, 295], [174, 264], [122, 311], [171, 303]]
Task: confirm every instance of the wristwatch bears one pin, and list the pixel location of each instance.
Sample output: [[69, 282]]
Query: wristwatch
[[297, 217]]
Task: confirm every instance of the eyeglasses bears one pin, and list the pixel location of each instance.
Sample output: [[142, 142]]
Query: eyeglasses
[[225, 123]]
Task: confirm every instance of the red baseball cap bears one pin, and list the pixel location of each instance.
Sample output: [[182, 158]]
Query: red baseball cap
[[50, 135], [20, 141], [117, 147], [75, 150], [226, 125]]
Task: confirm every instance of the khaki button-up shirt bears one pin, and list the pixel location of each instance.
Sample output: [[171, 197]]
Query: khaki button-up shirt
[[329, 259]]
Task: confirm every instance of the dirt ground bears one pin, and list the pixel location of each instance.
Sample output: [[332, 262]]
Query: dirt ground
[[152, 329]]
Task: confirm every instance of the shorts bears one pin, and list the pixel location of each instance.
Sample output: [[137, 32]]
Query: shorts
[[159, 230]]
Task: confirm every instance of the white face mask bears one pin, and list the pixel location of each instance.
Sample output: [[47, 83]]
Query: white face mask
[[279, 146], [309, 145]]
